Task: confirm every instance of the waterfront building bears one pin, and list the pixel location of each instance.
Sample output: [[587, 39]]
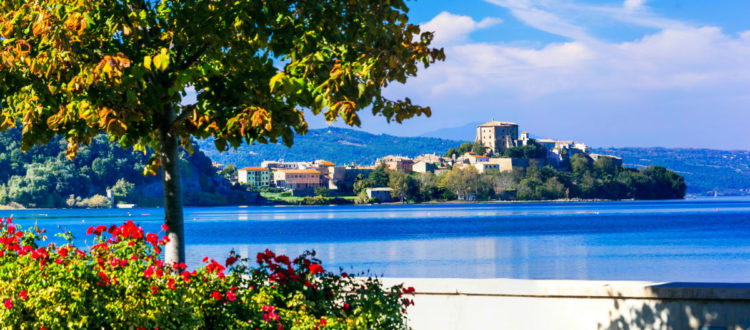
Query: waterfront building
[[254, 176], [303, 180], [381, 194]]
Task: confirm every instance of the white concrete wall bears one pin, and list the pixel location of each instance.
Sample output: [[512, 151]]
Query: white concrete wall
[[553, 304]]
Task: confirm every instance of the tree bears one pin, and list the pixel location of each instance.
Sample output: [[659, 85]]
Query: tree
[[361, 183], [124, 191], [322, 191], [125, 67], [380, 176], [403, 185], [229, 172], [478, 148]]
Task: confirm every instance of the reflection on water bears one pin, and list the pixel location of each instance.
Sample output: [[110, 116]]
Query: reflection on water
[[698, 240]]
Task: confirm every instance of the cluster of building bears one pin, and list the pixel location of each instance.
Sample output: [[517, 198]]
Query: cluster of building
[[304, 177], [497, 136]]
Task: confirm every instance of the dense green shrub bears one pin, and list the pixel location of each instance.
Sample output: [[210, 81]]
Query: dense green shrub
[[122, 283]]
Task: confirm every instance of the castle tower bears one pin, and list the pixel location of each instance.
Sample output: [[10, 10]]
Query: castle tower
[[497, 135]]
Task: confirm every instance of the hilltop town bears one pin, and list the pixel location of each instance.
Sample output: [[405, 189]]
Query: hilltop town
[[498, 149]]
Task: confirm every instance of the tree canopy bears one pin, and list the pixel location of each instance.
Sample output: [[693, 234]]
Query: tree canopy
[[78, 67]]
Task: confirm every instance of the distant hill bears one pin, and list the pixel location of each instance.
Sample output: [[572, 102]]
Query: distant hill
[[338, 145], [705, 170], [461, 133]]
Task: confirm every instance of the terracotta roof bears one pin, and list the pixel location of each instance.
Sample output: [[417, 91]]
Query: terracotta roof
[[254, 169], [498, 123], [300, 171], [326, 163]]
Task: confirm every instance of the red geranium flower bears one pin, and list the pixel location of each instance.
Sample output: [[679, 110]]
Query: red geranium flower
[[90, 230], [316, 269], [8, 303], [231, 296], [23, 295], [231, 260], [217, 295], [152, 238]]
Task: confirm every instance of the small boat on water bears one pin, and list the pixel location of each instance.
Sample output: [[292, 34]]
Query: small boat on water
[[125, 206]]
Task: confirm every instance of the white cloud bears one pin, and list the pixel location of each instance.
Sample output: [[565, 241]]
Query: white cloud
[[451, 29], [634, 4], [676, 76], [676, 56]]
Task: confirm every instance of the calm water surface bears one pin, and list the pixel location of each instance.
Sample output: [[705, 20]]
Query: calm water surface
[[691, 240]]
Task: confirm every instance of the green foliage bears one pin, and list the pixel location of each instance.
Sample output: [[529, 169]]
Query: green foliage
[[93, 202], [404, 186], [43, 177], [125, 66], [465, 147], [585, 180], [706, 171], [361, 184], [363, 199], [122, 282], [229, 172], [531, 150], [380, 176], [468, 183], [478, 148], [322, 191], [124, 192]]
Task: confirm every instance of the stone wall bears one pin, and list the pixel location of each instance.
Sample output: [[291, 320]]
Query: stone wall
[[555, 304]]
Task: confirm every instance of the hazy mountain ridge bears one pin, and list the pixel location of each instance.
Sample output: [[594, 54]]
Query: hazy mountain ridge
[[338, 145]]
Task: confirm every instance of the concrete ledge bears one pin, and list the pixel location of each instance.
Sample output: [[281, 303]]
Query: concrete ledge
[[564, 304]]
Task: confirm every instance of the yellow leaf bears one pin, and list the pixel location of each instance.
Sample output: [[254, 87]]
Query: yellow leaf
[[275, 80]]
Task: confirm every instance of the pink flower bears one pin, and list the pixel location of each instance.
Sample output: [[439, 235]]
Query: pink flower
[[231, 296], [8, 303]]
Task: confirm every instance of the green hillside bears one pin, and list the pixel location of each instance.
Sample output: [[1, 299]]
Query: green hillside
[[42, 177], [338, 145], [705, 170]]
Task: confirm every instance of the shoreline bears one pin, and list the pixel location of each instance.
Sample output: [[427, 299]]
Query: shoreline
[[455, 202]]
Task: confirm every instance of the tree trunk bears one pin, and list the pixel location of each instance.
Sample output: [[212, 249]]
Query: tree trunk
[[173, 218]]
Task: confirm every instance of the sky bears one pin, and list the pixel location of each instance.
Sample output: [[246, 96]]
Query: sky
[[619, 73]]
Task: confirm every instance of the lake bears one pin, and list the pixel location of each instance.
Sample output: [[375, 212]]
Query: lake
[[700, 240]]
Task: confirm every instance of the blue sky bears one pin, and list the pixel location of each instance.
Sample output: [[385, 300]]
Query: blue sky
[[608, 73]]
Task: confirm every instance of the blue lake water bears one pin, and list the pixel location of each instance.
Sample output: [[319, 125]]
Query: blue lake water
[[690, 240]]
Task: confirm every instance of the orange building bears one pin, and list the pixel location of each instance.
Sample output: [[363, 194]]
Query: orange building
[[298, 179]]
